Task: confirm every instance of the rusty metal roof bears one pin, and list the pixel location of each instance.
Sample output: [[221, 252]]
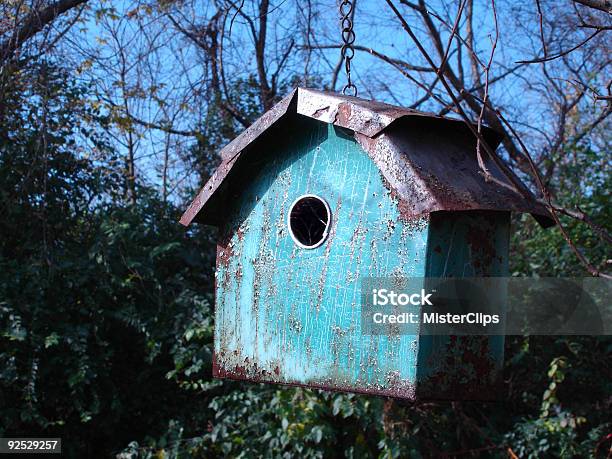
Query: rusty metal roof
[[450, 180]]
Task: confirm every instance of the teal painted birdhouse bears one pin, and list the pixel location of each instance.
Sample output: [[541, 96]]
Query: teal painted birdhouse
[[324, 191]]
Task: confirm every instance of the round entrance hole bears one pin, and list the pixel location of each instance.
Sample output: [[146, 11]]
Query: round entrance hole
[[309, 221]]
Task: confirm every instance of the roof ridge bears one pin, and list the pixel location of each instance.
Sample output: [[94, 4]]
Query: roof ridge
[[365, 118]]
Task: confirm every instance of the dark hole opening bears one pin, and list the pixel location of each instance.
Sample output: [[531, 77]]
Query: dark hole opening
[[308, 221]]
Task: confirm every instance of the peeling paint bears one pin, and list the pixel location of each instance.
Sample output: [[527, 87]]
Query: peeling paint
[[292, 316], [428, 161]]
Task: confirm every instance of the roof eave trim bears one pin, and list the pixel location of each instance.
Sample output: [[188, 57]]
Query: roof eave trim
[[231, 152], [368, 118]]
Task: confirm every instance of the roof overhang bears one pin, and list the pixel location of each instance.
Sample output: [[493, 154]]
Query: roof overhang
[[368, 120]]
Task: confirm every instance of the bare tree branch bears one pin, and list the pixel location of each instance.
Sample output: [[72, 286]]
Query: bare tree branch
[[602, 5], [373, 52], [517, 185], [562, 53], [34, 22]]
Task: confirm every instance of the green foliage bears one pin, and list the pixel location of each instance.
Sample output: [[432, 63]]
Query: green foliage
[[550, 437], [93, 293], [558, 408], [583, 179], [106, 320], [572, 375]]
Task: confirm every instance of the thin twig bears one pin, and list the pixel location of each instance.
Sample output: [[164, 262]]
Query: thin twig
[[549, 204], [481, 163], [562, 53], [519, 186], [541, 17], [516, 184]]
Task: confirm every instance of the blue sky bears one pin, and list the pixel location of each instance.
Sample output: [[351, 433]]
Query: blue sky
[[177, 67]]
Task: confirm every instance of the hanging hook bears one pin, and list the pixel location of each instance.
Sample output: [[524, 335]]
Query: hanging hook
[[347, 51]]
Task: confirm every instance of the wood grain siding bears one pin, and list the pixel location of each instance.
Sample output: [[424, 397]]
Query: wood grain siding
[[290, 315]]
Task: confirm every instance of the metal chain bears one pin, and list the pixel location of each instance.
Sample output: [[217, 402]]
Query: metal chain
[[348, 37]]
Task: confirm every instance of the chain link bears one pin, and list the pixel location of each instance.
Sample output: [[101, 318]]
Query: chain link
[[347, 51]]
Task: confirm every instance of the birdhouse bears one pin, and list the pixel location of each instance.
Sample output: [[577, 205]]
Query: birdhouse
[[325, 190]]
